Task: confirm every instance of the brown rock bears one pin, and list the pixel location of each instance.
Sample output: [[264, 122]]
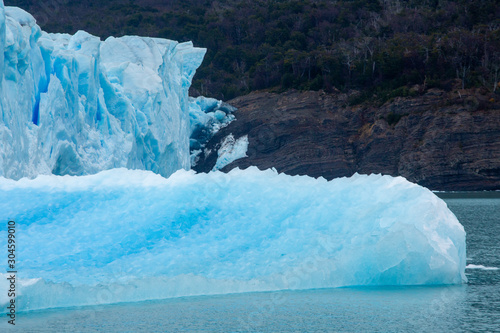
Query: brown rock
[[440, 140]]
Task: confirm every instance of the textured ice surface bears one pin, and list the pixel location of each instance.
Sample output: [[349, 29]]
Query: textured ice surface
[[231, 150], [207, 116], [73, 104], [124, 235]]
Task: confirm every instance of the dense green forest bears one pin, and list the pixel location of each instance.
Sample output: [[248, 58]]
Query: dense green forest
[[381, 48]]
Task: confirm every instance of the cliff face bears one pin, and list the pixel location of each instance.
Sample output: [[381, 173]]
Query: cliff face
[[441, 140]]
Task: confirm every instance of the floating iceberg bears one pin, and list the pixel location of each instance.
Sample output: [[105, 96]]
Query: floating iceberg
[[76, 105], [73, 104], [129, 235]]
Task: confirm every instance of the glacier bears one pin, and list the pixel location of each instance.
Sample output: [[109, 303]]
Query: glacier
[[131, 235], [76, 105], [231, 150], [96, 139], [207, 116]]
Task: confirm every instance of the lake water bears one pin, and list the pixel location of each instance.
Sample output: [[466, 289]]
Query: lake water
[[473, 307]]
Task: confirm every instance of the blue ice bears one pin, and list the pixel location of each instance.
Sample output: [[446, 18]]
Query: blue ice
[[124, 235], [76, 105]]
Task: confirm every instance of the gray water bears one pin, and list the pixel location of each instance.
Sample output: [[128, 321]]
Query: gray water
[[473, 307]]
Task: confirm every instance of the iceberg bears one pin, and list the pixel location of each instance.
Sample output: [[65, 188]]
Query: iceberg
[[89, 132], [131, 235], [76, 105]]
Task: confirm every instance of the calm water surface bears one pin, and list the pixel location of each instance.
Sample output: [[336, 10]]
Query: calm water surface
[[474, 307]]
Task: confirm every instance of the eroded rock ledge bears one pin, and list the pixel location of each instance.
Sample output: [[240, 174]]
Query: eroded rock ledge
[[441, 140]]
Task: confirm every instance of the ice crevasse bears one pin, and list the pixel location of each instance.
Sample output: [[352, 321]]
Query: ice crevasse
[[129, 235], [73, 104]]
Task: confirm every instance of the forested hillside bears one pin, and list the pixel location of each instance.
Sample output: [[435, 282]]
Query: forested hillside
[[381, 48]]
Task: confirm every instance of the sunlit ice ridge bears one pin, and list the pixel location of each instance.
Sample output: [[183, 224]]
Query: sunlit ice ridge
[[92, 110], [129, 235]]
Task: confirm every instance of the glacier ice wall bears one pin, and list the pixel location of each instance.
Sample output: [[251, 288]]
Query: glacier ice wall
[[129, 235], [73, 104]]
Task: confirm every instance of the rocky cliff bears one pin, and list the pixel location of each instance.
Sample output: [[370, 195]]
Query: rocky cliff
[[444, 140]]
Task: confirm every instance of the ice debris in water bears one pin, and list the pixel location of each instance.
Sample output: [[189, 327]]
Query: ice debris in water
[[482, 267], [124, 235]]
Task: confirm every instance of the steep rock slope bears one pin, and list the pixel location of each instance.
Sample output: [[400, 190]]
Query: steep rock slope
[[441, 140]]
